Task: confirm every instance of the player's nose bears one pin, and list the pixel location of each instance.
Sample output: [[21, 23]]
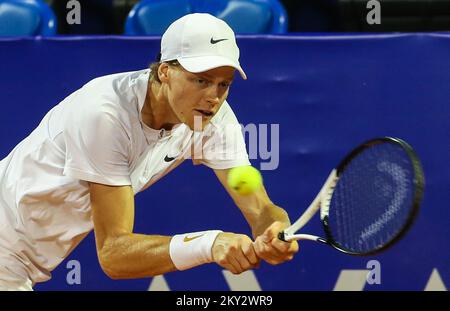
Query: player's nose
[[213, 103], [213, 95]]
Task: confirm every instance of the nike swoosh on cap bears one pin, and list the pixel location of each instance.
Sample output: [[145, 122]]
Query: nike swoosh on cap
[[216, 41]]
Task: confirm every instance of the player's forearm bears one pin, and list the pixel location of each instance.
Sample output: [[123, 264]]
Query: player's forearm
[[136, 256], [269, 214]]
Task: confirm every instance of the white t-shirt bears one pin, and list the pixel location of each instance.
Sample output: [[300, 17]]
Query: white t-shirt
[[96, 134]]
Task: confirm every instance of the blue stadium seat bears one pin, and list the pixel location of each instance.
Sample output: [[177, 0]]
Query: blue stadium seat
[[152, 17], [26, 18], [247, 16]]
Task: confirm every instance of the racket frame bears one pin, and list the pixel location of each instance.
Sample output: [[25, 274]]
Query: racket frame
[[323, 199]]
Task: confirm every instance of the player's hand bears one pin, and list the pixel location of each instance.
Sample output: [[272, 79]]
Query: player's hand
[[234, 252], [271, 249]]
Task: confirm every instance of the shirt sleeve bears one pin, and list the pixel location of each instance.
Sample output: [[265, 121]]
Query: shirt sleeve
[[223, 144], [97, 148]]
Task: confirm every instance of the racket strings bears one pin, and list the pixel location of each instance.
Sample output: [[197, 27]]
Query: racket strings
[[373, 198]]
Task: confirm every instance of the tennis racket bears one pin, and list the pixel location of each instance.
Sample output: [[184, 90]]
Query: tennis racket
[[369, 201]]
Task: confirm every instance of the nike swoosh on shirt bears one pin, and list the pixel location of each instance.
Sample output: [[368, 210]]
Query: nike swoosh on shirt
[[187, 239], [169, 159]]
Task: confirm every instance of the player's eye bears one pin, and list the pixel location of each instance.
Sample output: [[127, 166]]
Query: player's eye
[[225, 85], [201, 81]]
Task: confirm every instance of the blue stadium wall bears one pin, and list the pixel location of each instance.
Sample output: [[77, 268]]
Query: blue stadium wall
[[327, 93]]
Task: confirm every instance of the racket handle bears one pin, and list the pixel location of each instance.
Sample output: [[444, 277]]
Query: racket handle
[[281, 236]]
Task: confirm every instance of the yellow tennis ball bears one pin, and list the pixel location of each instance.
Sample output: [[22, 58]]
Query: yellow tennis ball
[[244, 179]]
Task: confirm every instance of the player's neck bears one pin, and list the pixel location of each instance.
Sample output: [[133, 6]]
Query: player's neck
[[157, 112]]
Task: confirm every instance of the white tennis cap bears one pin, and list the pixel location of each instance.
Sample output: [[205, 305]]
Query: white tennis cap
[[200, 42]]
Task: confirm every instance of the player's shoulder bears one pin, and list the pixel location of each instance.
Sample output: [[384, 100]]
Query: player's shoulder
[[118, 81], [113, 97], [118, 91]]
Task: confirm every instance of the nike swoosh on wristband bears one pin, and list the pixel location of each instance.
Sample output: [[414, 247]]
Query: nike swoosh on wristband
[[187, 239], [168, 159], [216, 41]]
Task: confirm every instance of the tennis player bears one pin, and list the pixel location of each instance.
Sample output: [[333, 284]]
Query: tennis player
[[81, 167]]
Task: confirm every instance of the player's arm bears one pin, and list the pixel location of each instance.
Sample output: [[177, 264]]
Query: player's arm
[[122, 253], [265, 219]]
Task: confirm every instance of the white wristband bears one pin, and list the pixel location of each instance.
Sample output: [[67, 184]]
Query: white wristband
[[192, 249]]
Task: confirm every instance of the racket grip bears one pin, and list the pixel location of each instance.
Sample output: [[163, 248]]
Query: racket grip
[[281, 236]]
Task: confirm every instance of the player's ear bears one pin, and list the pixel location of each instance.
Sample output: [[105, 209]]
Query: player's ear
[[163, 70]]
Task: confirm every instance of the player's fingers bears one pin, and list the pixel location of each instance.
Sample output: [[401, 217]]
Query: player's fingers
[[270, 258], [231, 264], [288, 248], [273, 230], [243, 261], [269, 233], [250, 253], [230, 268], [294, 247], [281, 246], [260, 249], [268, 253], [224, 262], [227, 261], [237, 268], [268, 247], [257, 246], [273, 262], [288, 253]]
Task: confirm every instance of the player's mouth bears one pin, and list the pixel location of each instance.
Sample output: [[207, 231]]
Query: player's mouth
[[205, 113]]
